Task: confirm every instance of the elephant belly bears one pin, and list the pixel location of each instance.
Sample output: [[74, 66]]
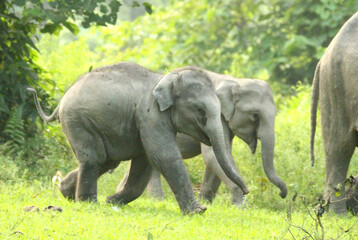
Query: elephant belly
[[123, 146]]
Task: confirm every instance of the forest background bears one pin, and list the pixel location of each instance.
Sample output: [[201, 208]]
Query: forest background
[[49, 44]]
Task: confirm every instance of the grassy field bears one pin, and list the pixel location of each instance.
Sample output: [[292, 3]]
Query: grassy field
[[266, 215], [147, 218]]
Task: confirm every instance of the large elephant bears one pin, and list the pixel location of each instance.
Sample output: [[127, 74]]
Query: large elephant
[[126, 112], [335, 83], [249, 113]]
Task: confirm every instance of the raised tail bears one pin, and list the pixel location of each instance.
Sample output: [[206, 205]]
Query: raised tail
[[314, 106], [52, 117]]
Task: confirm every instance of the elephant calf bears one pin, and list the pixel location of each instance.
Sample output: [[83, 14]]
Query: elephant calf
[[126, 112], [249, 112]]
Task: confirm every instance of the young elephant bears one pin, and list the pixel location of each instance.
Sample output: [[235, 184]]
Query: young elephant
[[126, 112], [249, 112], [335, 83]]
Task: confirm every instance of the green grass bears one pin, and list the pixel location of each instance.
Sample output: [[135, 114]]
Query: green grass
[[147, 218], [266, 216]]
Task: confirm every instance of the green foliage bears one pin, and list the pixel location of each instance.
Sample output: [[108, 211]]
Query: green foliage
[[9, 171], [34, 158], [20, 21], [276, 40], [14, 129]]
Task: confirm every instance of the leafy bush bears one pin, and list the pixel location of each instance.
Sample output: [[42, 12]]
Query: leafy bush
[[36, 158], [8, 169]]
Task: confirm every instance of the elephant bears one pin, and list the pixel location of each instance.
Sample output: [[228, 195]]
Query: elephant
[[352, 195], [249, 112], [335, 84], [126, 112]]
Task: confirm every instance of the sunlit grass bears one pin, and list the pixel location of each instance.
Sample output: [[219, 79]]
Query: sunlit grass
[[147, 218], [266, 215]]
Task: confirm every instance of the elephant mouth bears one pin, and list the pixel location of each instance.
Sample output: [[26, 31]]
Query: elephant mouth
[[253, 145], [250, 141], [203, 137]]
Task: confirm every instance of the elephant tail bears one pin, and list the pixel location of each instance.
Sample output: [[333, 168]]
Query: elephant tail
[[314, 106], [52, 117]]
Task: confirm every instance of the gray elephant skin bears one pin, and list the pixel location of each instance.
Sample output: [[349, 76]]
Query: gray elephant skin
[[249, 113], [126, 112], [335, 84]]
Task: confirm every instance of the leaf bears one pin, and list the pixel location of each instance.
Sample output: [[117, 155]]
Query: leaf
[[337, 190], [71, 26], [19, 2], [3, 105], [148, 7], [150, 236], [135, 4], [52, 28], [90, 69], [103, 9]]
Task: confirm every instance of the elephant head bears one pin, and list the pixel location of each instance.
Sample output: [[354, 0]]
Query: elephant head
[[194, 108], [248, 107]]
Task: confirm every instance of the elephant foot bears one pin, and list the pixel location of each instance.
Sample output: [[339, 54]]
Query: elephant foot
[[238, 199], [68, 186], [338, 205], [157, 196], [68, 193], [114, 199], [239, 203], [196, 208], [207, 196]]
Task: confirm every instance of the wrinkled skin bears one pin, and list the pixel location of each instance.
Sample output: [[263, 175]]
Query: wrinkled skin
[[249, 113], [126, 112], [336, 85]]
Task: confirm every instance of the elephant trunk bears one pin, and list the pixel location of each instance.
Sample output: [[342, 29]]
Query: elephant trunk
[[266, 134], [216, 135]]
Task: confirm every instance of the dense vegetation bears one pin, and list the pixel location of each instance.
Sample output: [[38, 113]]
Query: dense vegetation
[[275, 40]]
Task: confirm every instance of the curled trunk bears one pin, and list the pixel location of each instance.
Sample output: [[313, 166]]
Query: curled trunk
[[266, 134]]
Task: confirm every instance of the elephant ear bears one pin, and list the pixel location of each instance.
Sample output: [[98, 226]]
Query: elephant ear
[[226, 92], [163, 92]]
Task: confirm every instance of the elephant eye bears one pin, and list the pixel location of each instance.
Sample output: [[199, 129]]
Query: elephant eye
[[203, 117], [201, 111]]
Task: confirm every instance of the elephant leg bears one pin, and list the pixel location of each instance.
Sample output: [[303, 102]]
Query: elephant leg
[[155, 188], [338, 157], [163, 152], [237, 197], [210, 185], [86, 188], [90, 152], [216, 174], [134, 182], [68, 184], [178, 179]]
